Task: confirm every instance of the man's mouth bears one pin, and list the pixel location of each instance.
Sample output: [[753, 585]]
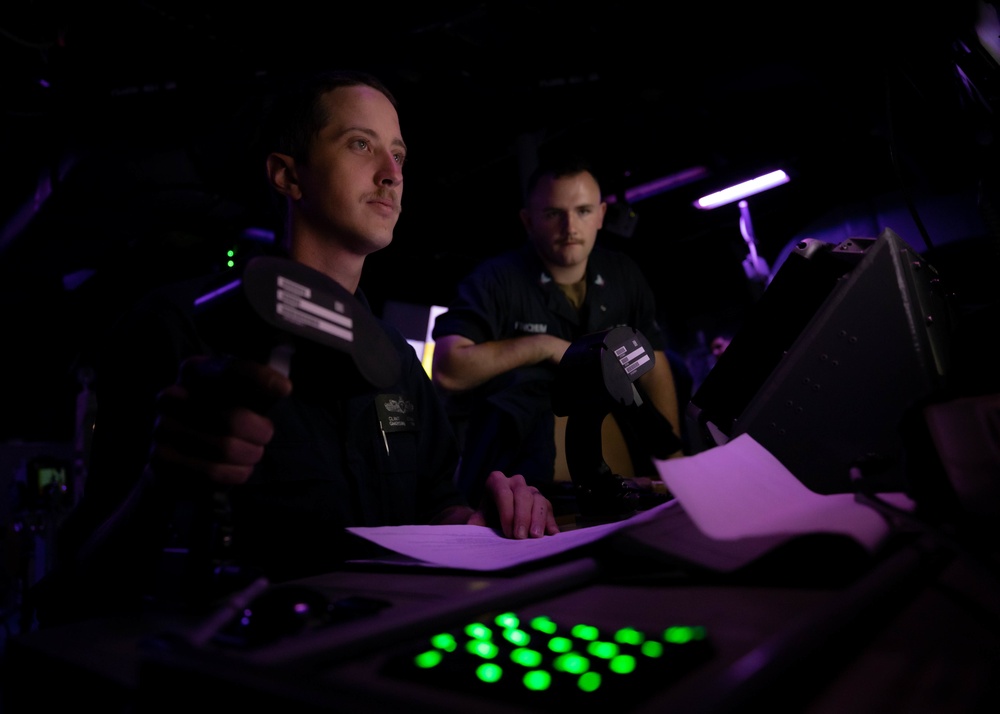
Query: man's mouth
[[387, 202]]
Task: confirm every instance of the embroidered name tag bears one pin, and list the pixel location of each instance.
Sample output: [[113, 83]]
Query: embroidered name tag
[[396, 413]]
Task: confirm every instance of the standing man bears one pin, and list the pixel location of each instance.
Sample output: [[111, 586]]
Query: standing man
[[180, 421], [516, 314]]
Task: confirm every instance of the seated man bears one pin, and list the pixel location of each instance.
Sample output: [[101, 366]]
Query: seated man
[[220, 456]]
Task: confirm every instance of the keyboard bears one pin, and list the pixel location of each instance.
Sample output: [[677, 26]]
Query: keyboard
[[540, 661]]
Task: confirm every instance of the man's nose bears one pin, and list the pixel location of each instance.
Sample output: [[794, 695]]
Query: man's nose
[[390, 172], [570, 223]]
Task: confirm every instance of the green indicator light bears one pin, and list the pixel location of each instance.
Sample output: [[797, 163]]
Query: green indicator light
[[572, 663], [478, 630], [507, 620], [426, 660], [585, 632], [525, 657], [589, 681], [629, 636], [516, 637], [622, 664], [483, 648], [604, 650], [444, 642], [680, 635], [560, 644], [230, 263], [231, 253], [543, 624], [651, 648], [489, 672], [537, 680]]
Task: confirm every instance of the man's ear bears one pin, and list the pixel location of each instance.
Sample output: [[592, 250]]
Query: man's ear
[[525, 218], [282, 175]]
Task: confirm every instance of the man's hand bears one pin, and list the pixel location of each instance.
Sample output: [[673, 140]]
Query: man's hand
[[521, 510], [211, 422]]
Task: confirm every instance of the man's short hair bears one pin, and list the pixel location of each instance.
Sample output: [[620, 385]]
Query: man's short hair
[[297, 115], [558, 165]]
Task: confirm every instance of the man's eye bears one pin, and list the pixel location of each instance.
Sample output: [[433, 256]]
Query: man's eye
[[361, 144], [400, 158]]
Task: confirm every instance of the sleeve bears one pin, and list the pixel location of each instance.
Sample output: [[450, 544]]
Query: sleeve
[[477, 310], [644, 311]]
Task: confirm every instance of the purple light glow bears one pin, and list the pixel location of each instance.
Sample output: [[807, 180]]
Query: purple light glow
[[262, 235], [742, 190], [661, 185], [220, 291]]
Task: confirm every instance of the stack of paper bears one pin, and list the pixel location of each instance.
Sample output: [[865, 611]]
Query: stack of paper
[[732, 503]]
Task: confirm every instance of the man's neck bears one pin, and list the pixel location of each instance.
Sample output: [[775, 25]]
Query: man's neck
[[341, 265], [567, 275]]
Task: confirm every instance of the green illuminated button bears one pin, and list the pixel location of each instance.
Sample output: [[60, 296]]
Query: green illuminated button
[[629, 636], [478, 630], [537, 680], [651, 648], [516, 637], [445, 641], [489, 672], [622, 664], [560, 644], [507, 620], [525, 657], [681, 635], [544, 624], [482, 648], [426, 660], [571, 662], [604, 650], [589, 681]]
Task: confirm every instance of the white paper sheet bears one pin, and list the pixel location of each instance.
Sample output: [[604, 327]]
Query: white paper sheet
[[481, 548], [740, 489]]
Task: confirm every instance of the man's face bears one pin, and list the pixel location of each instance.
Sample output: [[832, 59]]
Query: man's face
[[352, 182], [562, 217]]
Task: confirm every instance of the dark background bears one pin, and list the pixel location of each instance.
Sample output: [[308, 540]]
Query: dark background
[[125, 132]]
